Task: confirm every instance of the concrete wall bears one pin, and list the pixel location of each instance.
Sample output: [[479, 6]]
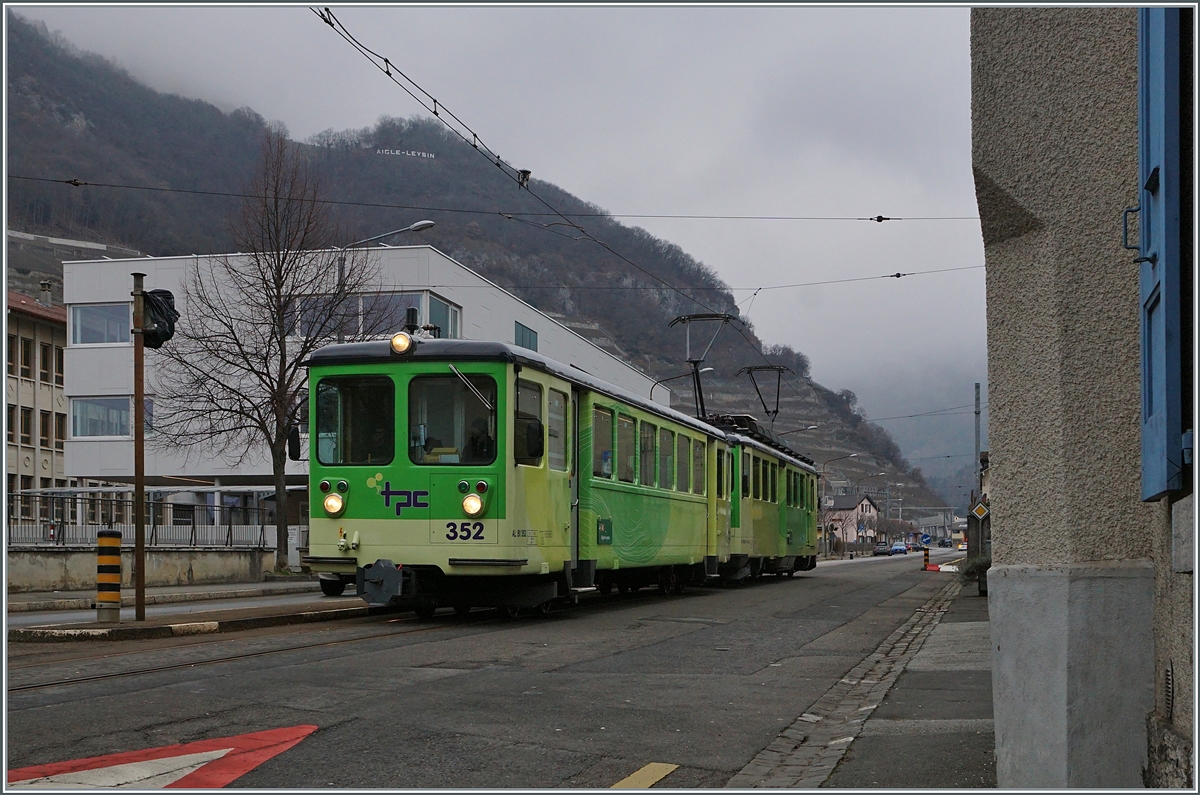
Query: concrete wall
[[74, 568], [1077, 557]]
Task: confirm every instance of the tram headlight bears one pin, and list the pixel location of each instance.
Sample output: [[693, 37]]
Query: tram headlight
[[402, 342], [334, 504], [472, 505]]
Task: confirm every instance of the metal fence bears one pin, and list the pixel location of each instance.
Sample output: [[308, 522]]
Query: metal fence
[[55, 520]]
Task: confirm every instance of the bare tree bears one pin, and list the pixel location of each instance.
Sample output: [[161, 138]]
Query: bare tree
[[231, 380]]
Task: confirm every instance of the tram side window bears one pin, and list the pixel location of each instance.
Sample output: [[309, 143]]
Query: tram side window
[[666, 452], [646, 462], [698, 467], [448, 423], [774, 483], [602, 451], [683, 462], [557, 429], [729, 472], [745, 474], [720, 474], [757, 493], [528, 433], [356, 420], [625, 447]]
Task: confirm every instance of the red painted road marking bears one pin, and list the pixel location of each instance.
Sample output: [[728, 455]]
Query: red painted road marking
[[205, 764]]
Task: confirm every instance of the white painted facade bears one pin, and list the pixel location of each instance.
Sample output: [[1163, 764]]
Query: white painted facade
[[105, 370]]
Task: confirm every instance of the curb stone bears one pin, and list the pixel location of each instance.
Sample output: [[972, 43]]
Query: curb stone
[[842, 710], [162, 598], [51, 635]]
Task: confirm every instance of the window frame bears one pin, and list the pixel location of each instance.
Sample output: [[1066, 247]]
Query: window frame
[[565, 430], [26, 427], [26, 361], [666, 458], [648, 458], [520, 422], [609, 414], [683, 463], [449, 377], [74, 330], [631, 423], [389, 426]]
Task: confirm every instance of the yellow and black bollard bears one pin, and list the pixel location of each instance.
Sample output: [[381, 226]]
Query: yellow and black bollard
[[927, 557], [108, 575]]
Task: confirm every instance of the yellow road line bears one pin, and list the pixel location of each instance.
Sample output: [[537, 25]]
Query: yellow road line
[[646, 777]]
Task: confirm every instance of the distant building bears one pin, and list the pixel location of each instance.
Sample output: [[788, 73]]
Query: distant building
[[850, 520], [99, 356], [36, 422]]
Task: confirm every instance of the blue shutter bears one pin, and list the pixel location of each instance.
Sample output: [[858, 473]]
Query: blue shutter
[[1158, 162]]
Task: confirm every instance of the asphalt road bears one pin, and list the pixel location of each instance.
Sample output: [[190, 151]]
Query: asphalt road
[[579, 698]]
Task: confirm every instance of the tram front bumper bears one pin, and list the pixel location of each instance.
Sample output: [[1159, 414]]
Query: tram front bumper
[[384, 583]]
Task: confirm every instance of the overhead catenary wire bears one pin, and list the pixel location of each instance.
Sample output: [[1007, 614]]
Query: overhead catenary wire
[[512, 216]]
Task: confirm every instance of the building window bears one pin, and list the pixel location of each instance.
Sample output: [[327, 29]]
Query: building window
[[525, 337], [26, 358], [26, 499], [26, 425], [59, 365], [44, 429], [98, 324], [60, 430], [12, 354], [44, 369], [98, 416], [10, 427], [386, 313], [445, 316]]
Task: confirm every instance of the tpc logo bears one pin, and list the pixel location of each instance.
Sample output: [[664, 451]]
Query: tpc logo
[[404, 499]]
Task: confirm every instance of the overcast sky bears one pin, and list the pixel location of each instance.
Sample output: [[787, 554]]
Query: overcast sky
[[780, 111]]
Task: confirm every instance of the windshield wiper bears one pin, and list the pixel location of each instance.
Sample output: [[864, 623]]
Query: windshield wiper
[[471, 387]]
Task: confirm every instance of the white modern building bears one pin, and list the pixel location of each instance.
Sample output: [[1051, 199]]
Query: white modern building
[[99, 355]]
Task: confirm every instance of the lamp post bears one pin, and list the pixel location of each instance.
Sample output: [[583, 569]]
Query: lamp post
[[821, 508], [799, 430], [341, 274], [673, 378]]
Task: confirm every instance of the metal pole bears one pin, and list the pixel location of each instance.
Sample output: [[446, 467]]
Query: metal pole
[[978, 474], [139, 449]]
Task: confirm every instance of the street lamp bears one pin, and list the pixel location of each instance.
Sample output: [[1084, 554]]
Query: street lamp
[[341, 274], [799, 430], [674, 377], [821, 507]]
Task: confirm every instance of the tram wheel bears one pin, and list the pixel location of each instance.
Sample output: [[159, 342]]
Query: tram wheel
[[606, 587], [510, 611], [462, 610], [680, 586], [791, 573], [424, 609], [623, 588], [545, 607]]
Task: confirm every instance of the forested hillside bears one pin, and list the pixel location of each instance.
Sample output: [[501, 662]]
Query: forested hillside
[[76, 116]]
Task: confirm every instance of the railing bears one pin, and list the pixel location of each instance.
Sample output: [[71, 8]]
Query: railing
[[42, 520]]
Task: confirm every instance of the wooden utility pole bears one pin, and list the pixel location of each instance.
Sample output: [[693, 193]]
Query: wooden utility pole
[[139, 449]]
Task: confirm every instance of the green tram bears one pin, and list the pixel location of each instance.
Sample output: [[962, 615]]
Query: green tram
[[460, 473]]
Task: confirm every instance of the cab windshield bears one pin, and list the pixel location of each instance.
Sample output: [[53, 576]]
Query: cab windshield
[[448, 423], [356, 420]]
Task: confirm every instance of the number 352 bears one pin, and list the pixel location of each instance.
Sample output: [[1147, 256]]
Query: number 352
[[464, 531]]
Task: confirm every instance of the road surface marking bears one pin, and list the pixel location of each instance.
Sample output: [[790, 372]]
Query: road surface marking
[[204, 764], [646, 777]]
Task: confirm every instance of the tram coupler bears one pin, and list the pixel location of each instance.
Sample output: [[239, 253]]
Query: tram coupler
[[384, 583]]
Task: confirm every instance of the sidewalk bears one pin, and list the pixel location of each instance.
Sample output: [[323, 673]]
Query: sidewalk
[[83, 600], [934, 727]]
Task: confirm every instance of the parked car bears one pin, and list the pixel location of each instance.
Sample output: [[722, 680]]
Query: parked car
[[882, 548], [899, 548], [962, 547], [945, 542]]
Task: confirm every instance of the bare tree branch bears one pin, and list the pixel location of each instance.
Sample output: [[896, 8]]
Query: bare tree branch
[[231, 382]]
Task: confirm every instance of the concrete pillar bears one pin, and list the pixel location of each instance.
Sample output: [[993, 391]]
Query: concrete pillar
[[1071, 588]]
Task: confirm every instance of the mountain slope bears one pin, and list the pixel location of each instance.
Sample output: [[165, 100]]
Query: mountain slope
[[76, 116]]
